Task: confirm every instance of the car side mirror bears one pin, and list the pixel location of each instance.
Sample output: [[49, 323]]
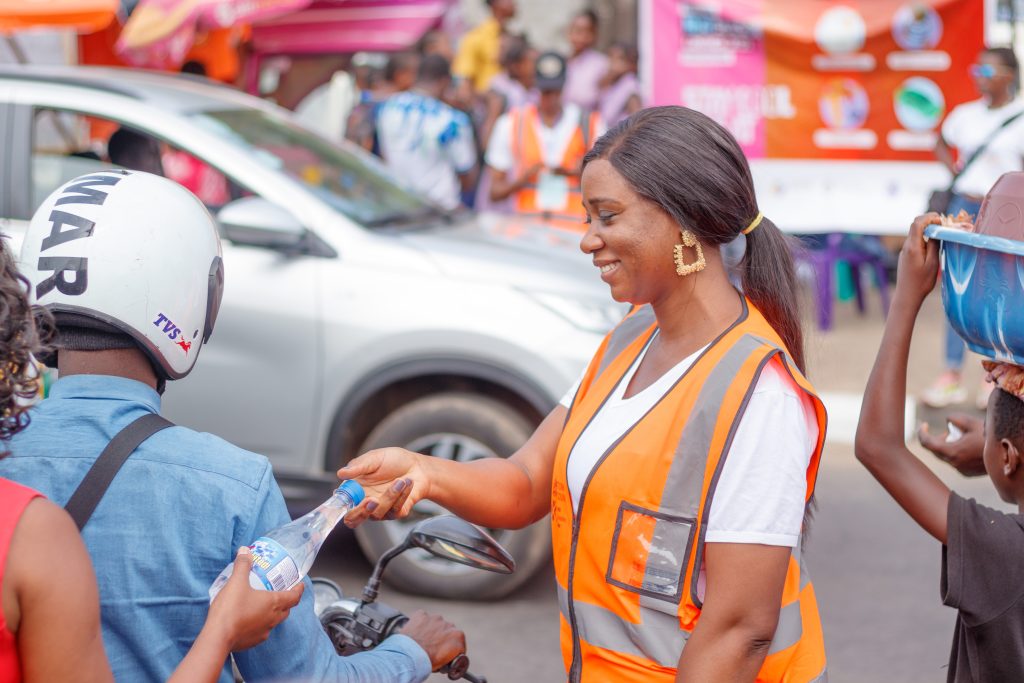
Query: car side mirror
[[255, 222]]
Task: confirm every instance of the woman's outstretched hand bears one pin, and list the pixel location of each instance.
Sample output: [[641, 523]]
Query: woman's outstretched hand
[[394, 480], [244, 616], [919, 261]]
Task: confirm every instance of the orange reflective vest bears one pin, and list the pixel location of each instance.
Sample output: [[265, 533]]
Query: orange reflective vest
[[527, 151], [627, 561]]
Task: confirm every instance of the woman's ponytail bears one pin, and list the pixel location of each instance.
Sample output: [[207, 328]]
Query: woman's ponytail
[[769, 281]]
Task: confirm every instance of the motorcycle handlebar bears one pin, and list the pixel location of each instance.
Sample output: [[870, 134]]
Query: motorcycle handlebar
[[459, 668]]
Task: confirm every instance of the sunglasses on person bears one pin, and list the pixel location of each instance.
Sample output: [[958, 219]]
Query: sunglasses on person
[[985, 70]]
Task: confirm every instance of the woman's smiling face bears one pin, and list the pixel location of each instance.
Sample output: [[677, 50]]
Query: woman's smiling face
[[630, 238]]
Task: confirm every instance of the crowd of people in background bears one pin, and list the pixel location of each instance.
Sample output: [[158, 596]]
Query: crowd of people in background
[[491, 122]]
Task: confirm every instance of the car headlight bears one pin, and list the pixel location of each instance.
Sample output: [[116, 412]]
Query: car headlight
[[589, 315]]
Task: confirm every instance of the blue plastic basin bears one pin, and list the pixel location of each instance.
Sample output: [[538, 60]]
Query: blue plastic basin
[[983, 291]]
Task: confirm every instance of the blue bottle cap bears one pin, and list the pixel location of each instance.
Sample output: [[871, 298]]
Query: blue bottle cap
[[354, 491]]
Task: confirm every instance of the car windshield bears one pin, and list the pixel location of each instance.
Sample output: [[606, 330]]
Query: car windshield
[[355, 184]]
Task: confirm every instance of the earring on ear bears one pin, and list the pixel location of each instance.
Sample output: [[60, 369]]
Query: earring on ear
[[682, 268]]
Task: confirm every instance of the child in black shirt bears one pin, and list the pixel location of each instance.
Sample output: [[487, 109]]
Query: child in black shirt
[[983, 549]]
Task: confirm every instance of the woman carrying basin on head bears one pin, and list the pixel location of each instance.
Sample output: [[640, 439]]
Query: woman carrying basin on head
[[678, 471]]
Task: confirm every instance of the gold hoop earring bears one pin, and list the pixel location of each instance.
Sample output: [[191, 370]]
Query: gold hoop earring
[[682, 268]]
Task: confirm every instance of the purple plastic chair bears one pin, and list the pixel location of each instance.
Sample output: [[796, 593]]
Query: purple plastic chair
[[823, 260]]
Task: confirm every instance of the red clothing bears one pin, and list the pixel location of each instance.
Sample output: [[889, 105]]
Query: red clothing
[[14, 498]]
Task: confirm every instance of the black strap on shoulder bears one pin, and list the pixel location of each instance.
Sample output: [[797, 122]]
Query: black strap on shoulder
[[984, 145], [89, 493]]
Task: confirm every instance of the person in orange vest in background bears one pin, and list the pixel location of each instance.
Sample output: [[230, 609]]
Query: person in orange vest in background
[[535, 153], [678, 472]]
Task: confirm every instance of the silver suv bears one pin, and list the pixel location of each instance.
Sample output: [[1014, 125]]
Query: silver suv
[[355, 314]]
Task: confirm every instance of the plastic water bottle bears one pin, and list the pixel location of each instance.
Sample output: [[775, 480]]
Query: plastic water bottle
[[282, 557]]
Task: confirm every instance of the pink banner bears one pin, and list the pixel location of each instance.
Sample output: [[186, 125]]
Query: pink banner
[[809, 79], [713, 62]]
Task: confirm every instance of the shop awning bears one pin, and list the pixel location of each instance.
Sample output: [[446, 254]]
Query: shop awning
[[346, 26], [84, 16]]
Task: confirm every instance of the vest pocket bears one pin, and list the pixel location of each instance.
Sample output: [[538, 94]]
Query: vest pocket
[[649, 552]]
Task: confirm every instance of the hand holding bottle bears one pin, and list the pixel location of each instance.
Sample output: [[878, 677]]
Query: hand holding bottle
[[282, 557], [244, 617]]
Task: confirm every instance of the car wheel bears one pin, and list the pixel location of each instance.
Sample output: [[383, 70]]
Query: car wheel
[[462, 427]]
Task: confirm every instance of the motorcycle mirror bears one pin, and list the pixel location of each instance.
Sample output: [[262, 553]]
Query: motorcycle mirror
[[455, 539], [448, 537], [325, 592]]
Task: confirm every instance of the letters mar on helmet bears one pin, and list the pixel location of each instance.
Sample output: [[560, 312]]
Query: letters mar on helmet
[[69, 274]]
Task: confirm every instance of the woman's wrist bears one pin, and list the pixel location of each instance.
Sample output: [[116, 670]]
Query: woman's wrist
[[428, 466], [216, 634]]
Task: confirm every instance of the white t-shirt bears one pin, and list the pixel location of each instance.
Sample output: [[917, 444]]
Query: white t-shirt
[[553, 140], [427, 144], [760, 495], [968, 126]]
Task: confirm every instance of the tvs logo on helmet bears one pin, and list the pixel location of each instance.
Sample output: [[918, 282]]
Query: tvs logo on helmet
[[173, 332]]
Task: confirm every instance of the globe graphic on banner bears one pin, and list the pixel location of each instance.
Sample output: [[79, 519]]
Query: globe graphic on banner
[[843, 104], [916, 26], [919, 104], [840, 31]]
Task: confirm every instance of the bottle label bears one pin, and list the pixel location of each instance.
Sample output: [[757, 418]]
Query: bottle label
[[272, 564]]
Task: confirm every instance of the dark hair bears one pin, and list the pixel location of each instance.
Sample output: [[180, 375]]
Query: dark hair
[[430, 39], [194, 67], [514, 50], [590, 15], [433, 69], [399, 62], [131, 149], [24, 330], [628, 49], [1005, 55], [694, 169], [1007, 416]]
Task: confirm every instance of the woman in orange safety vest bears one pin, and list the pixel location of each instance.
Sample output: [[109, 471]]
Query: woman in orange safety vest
[[678, 471]]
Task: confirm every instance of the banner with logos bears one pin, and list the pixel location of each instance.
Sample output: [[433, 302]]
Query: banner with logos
[[816, 79]]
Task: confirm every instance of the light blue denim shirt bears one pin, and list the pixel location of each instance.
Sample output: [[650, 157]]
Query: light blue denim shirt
[[169, 523]]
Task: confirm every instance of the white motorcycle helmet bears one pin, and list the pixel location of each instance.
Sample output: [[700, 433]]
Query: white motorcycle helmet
[[122, 254]]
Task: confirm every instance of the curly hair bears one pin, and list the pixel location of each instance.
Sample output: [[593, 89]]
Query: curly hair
[[25, 331]]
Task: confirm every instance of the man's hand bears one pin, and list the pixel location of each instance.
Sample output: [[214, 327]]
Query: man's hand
[[441, 640], [919, 262], [965, 454]]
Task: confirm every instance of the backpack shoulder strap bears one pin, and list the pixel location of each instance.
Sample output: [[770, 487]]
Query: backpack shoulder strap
[[984, 145], [89, 493]]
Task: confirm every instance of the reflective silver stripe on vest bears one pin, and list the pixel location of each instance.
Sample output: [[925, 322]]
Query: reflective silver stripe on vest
[[789, 630], [820, 678], [684, 485], [625, 334], [658, 638]]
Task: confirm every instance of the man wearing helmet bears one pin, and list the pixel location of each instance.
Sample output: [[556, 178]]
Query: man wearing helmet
[[130, 266]]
